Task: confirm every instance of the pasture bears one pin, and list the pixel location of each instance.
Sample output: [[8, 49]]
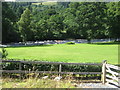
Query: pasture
[[92, 53]]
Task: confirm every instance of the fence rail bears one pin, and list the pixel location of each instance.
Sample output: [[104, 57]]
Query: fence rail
[[52, 63], [41, 62], [110, 73], [16, 71]]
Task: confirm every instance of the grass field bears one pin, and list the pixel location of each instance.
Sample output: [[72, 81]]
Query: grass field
[[67, 53]]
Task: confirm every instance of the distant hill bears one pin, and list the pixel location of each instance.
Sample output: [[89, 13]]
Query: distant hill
[[35, 0], [61, 0], [45, 3]]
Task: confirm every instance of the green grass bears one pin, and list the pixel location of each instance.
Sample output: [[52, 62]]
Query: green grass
[[67, 53]]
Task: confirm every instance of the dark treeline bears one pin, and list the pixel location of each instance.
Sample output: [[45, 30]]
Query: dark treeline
[[25, 21]]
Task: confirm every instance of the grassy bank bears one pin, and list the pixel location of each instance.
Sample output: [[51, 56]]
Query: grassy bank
[[67, 53]]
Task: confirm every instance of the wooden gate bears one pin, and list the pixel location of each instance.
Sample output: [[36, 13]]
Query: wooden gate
[[111, 74]]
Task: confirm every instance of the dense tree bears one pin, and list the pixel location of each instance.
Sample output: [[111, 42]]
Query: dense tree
[[71, 26], [56, 25], [92, 19], [113, 12], [64, 4], [42, 30], [71, 22], [9, 30], [65, 20], [24, 25]]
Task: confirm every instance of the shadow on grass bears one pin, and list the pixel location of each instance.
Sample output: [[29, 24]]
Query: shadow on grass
[[30, 46], [107, 43]]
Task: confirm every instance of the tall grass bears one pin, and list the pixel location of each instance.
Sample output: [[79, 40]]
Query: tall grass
[[35, 82]]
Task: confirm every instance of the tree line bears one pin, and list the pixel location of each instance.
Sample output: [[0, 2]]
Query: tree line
[[24, 21]]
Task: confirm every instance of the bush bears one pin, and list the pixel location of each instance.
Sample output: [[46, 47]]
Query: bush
[[70, 43], [55, 68], [49, 67], [4, 53]]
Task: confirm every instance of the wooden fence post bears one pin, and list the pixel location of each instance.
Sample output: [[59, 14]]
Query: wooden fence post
[[60, 69], [104, 71], [20, 68]]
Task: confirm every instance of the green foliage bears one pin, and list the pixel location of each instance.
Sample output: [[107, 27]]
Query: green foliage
[[9, 30], [10, 66], [70, 43], [113, 12], [49, 67], [92, 16], [81, 68], [4, 53], [24, 25], [63, 20]]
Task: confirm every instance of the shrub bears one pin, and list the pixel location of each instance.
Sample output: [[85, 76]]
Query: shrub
[[4, 53], [49, 67], [70, 43], [55, 68]]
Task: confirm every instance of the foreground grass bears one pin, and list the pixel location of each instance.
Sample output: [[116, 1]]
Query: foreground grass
[[35, 83], [67, 53]]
